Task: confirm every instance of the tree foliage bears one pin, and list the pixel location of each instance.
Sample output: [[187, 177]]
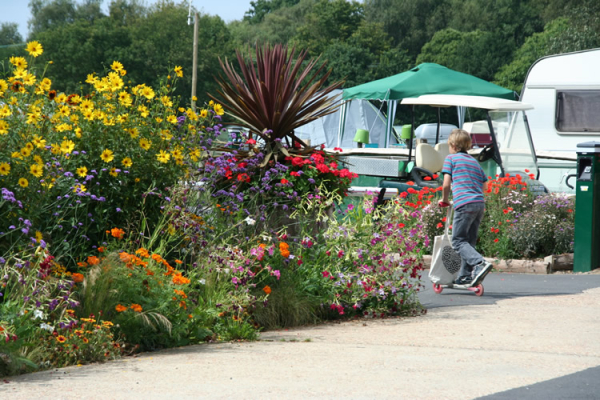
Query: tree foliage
[[362, 40]]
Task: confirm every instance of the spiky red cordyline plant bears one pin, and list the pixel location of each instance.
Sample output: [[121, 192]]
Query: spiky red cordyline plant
[[276, 95]]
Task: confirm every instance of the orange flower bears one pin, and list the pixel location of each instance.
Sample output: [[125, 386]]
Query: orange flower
[[93, 260], [157, 257], [181, 293], [149, 272], [178, 279], [178, 262], [77, 277], [61, 339], [142, 252], [101, 249], [118, 233], [82, 264], [267, 289], [85, 340], [183, 305], [125, 257], [136, 307], [284, 249], [120, 308]]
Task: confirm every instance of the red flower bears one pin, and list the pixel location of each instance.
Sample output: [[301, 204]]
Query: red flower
[[337, 149], [439, 225], [284, 181], [496, 240], [243, 178], [250, 141]]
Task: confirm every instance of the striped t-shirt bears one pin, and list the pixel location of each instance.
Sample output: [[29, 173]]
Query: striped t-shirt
[[467, 178]]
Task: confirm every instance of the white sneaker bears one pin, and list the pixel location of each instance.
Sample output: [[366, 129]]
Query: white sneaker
[[480, 271]]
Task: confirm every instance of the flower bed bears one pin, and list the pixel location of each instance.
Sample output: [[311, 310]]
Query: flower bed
[[122, 231]]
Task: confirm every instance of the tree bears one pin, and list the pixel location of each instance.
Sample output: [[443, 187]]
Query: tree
[[162, 40], [48, 14], [261, 8], [560, 35], [9, 34], [477, 53], [328, 20], [410, 23], [279, 26]]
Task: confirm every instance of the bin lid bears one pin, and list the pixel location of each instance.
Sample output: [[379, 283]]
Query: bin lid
[[589, 147]]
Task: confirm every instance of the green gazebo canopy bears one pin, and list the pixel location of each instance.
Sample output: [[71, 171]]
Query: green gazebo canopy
[[426, 78]]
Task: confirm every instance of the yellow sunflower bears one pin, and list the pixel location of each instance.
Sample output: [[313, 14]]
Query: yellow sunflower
[[4, 168], [36, 170], [163, 157], [67, 146], [218, 109], [25, 152], [127, 162], [23, 182], [107, 156], [179, 71], [82, 171], [3, 127], [145, 144], [34, 48]]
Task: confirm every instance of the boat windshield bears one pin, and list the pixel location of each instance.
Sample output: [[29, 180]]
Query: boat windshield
[[514, 142]]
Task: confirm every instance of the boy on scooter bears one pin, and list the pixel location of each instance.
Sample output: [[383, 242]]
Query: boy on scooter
[[466, 179]]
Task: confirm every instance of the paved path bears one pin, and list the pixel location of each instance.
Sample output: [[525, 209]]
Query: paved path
[[534, 337]]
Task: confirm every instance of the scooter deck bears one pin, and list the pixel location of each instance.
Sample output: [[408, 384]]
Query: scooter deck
[[477, 289]]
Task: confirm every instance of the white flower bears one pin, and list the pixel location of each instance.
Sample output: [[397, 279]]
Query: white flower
[[38, 314], [47, 327], [249, 221], [202, 281]]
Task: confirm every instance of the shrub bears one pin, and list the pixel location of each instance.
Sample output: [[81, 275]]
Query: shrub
[[546, 229], [83, 161], [37, 324]]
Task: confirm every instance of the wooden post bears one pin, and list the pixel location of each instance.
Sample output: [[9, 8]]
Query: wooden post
[[195, 62]]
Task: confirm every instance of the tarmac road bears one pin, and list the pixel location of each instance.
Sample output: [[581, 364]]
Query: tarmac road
[[502, 286], [528, 337]]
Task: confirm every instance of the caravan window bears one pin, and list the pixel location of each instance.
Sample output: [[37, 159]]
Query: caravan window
[[577, 111]]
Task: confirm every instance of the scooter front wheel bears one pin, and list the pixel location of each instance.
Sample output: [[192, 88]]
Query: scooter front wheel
[[437, 288]]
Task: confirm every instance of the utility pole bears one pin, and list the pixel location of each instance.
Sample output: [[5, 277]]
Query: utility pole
[[194, 55]]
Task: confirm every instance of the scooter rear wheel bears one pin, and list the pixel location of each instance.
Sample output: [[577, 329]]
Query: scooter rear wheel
[[479, 290]]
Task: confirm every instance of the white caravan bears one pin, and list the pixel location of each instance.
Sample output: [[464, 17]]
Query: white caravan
[[565, 92]]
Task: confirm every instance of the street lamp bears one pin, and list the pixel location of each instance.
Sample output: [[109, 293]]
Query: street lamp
[[194, 55]]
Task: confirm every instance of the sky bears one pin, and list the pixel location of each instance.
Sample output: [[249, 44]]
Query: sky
[[229, 10]]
